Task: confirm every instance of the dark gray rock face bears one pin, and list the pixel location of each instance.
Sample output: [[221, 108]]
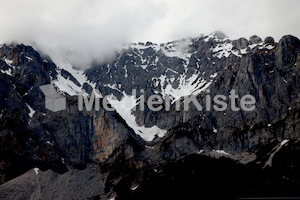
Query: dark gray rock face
[[254, 39], [269, 40], [37, 184], [45, 139], [267, 70], [271, 78], [241, 43]]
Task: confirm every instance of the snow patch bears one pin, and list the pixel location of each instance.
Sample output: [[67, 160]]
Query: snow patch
[[274, 151], [284, 142], [66, 85], [36, 170], [221, 152], [267, 46], [8, 62], [126, 71], [201, 151], [213, 75], [8, 72], [283, 79], [31, 111], [253, 46], [191, 86], [215, 130], [244, 51], [134, 188], [222, 50], [114, 87], [124, 107], [30, 59], [217, 36]]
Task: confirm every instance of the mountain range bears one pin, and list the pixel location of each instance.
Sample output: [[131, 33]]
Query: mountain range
[[134, 154]]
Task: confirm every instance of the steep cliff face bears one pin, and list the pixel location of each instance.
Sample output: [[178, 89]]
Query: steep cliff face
[[34, 136], [129, 145], [271, 79]]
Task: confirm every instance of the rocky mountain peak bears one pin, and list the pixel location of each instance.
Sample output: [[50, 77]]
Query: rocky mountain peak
[[219, 35], [269, 40], [254, 40]]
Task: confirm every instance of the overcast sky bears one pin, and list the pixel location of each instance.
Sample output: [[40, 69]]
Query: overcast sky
[[85, 30]]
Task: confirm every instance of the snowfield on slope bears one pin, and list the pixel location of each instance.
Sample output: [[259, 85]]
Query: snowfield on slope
[[125, 107]]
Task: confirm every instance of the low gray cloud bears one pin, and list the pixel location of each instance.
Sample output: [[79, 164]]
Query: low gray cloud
[[83, 31]]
